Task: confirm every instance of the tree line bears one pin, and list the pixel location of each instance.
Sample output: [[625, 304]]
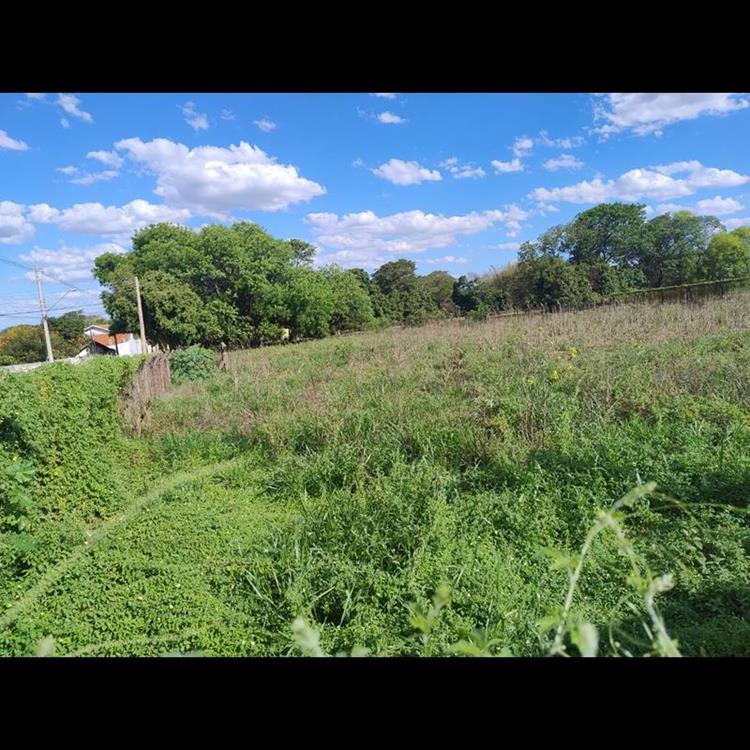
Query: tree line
[[241, 286]]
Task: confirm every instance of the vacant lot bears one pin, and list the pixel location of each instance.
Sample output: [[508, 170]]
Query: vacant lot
[[345, 480]]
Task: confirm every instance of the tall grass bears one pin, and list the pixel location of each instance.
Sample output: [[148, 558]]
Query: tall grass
[[451, 489]]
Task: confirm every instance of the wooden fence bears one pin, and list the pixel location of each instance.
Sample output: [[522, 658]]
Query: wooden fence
[[152, 380]]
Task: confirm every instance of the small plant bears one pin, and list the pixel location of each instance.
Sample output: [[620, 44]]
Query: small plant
[[189, 365]]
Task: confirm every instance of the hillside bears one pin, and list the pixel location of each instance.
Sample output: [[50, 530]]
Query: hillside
[[346, 480]]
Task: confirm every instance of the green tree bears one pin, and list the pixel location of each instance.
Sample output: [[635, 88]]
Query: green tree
[[438, 287], [352, 308], [612, 233], [404, 301], [675, 244], [728, 255]]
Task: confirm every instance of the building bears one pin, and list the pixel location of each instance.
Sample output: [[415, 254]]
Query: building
[[104, 342]]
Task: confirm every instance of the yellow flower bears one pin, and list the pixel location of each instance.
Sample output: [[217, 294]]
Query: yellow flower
[[573, 352], [554, 375], [531, 381]]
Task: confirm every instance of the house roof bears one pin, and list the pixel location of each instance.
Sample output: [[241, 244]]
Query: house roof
[[108, 340], [97, 325]]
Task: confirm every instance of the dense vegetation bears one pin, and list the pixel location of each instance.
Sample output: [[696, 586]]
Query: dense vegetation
[[25, 343], [241, 286], [344, 480]]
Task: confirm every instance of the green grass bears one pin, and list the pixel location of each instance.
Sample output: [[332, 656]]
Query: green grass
[[343, 480]]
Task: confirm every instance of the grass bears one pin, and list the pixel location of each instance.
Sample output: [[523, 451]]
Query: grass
[[365, 471]]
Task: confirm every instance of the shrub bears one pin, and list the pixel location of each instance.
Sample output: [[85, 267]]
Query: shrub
[[195, 363]]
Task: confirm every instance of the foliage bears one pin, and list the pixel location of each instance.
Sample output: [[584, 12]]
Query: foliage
[[341, 481], [194, 363]]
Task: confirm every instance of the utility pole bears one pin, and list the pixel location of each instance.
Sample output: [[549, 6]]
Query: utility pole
[[42, 307], [144, 347]]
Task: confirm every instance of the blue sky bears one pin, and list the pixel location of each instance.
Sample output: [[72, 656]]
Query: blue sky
[[453, 181]]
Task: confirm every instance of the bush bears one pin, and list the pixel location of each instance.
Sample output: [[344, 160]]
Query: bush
[[195, 363]]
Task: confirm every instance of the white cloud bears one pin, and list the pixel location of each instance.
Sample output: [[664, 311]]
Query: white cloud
[[650, 113], [407, 232], [507, 166], [545, 140], [69, 103], [406, 172], [15, 228], [117, 222], [739, 222], [110, 158], [265, 124], [68, 263], [196, 120], [564, 161], [385, 96], [461, 171], [64, 122], [11, 144], [212, 181], [388, 118], [506, 246], [68, 170], [36, 96], [227, 114], [446, 259], [546, 208], [92, 177], [718, 206], [655, 183], [522, 146]]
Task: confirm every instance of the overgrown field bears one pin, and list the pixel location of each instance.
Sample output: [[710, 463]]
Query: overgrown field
[[347, 480]]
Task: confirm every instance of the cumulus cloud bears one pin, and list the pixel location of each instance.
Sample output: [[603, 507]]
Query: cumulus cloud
[[227, 114], [656, 183], [406, 172], [506, 246], [461, 171], [70, 105], [15, 227], [368, 259], [388, 118], [385, 96], [116, 222], [69, 263], [36, 96], [564, 161], [651, 113], [406, 232], [196, 120], [64, 122], [266, 125], [212, 181], [70, 170], [11, 144], [110, 158], [507, 166], [716, 206], [522, 146]]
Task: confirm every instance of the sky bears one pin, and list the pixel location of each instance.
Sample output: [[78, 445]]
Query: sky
[[452, 181]]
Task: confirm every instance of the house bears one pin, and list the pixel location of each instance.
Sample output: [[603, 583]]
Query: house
[[95, 330], [104, 342]]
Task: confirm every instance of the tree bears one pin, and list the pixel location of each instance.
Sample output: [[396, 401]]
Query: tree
[[404, 301], [550, 281], [352, 308], [303, 252], [612, 233], [674, 246], [438, 288], [728, 255]]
